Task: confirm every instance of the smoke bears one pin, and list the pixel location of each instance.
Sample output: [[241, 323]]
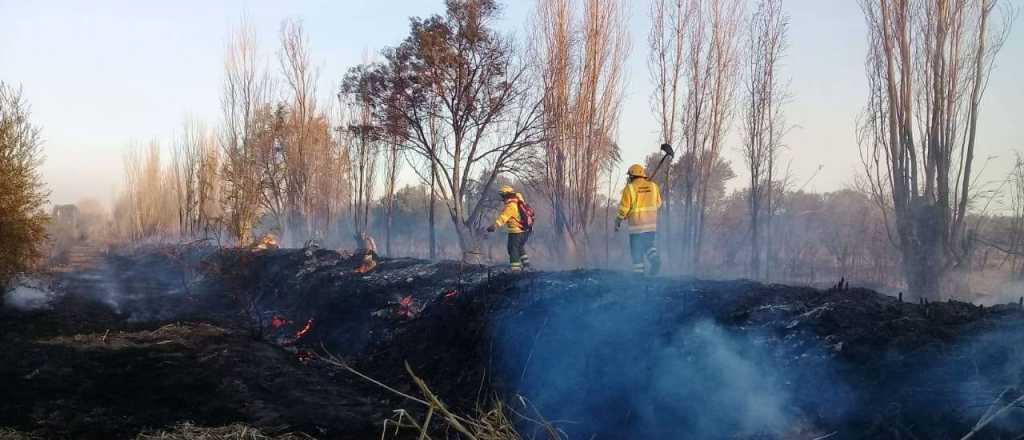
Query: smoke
[[625, 364], [1007, 291], [983, 366], [29, 295], [703, 370], [108, 290], [142, 288]]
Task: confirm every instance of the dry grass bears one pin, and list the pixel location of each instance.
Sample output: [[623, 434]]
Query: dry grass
[[10, 434], [491, 421], [188, 431]]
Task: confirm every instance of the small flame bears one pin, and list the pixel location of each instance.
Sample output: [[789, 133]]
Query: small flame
[[305, 356], [306, 329], [267, 241], [406, 307], [451, 294], [278, 321], [367, 265]]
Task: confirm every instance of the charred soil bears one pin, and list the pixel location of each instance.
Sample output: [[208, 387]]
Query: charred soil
[[148, 340]]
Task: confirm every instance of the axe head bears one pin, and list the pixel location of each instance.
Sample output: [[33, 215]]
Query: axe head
[[668, 150]]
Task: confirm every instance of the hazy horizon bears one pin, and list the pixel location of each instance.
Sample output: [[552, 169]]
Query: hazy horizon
[[100, 77]]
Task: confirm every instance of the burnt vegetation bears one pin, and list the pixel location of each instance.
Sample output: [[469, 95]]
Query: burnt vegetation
[[235, 288], [301, 341]]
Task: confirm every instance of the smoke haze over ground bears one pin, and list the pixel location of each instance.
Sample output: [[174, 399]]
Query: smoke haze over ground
[[640, 368], [28, 295]]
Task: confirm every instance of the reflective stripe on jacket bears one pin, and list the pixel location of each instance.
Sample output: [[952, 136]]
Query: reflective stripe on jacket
[[641, 199], [509, 216]]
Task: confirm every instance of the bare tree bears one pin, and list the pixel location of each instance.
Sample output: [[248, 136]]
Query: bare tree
[[194, 166], [710, 74], [301, 144], [365, 140], [1015, 247], [581, 65], [149, 196], [432, 208], [330, 186], [245, 102], [270, 143], [927, 66], [392, 160], [666, 40], [208, 187], [763, 121]]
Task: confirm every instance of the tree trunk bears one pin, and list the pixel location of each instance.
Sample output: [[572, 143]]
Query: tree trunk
[[666, 235], [469, 243], [569, 251], [387, 233], [922, 251], [430, 215], [755, 243]]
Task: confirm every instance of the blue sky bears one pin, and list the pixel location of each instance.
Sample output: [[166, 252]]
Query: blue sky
[[102, 74]]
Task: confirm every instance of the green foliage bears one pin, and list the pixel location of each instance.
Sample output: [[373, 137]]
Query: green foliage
[[22, 195]]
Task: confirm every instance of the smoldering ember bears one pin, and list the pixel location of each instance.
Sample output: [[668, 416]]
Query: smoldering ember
[[487, 220]]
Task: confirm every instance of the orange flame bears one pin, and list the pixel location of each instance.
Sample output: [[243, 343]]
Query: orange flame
[[306, 329], [367, 266], [305, 356], [406, 307]]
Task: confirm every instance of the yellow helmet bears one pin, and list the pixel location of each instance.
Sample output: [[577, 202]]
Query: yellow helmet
[[506, 190], [636, 170]]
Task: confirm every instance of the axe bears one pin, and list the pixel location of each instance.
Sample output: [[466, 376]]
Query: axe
[[669, 152]]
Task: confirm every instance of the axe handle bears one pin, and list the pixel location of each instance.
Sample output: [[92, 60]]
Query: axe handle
[[658, 167]]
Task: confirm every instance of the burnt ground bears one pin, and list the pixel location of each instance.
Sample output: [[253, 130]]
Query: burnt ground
[[144, 341], [125, 349]]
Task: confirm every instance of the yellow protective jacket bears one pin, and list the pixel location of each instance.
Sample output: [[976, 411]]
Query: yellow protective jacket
[[641, 199], [509, 216]]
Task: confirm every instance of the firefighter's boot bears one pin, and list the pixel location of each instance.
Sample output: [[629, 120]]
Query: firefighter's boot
[[653, 261]]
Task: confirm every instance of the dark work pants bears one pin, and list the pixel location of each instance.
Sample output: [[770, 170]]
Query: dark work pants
[[641, 248], [517, 250]]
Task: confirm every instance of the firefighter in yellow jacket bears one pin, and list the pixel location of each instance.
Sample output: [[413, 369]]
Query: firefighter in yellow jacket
[[518, 233], [641, 199]]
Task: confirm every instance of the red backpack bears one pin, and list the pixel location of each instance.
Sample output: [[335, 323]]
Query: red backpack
[[525, 214]]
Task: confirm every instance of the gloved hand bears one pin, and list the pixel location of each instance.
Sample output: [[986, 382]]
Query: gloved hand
[[618, 224], [490, 228]]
